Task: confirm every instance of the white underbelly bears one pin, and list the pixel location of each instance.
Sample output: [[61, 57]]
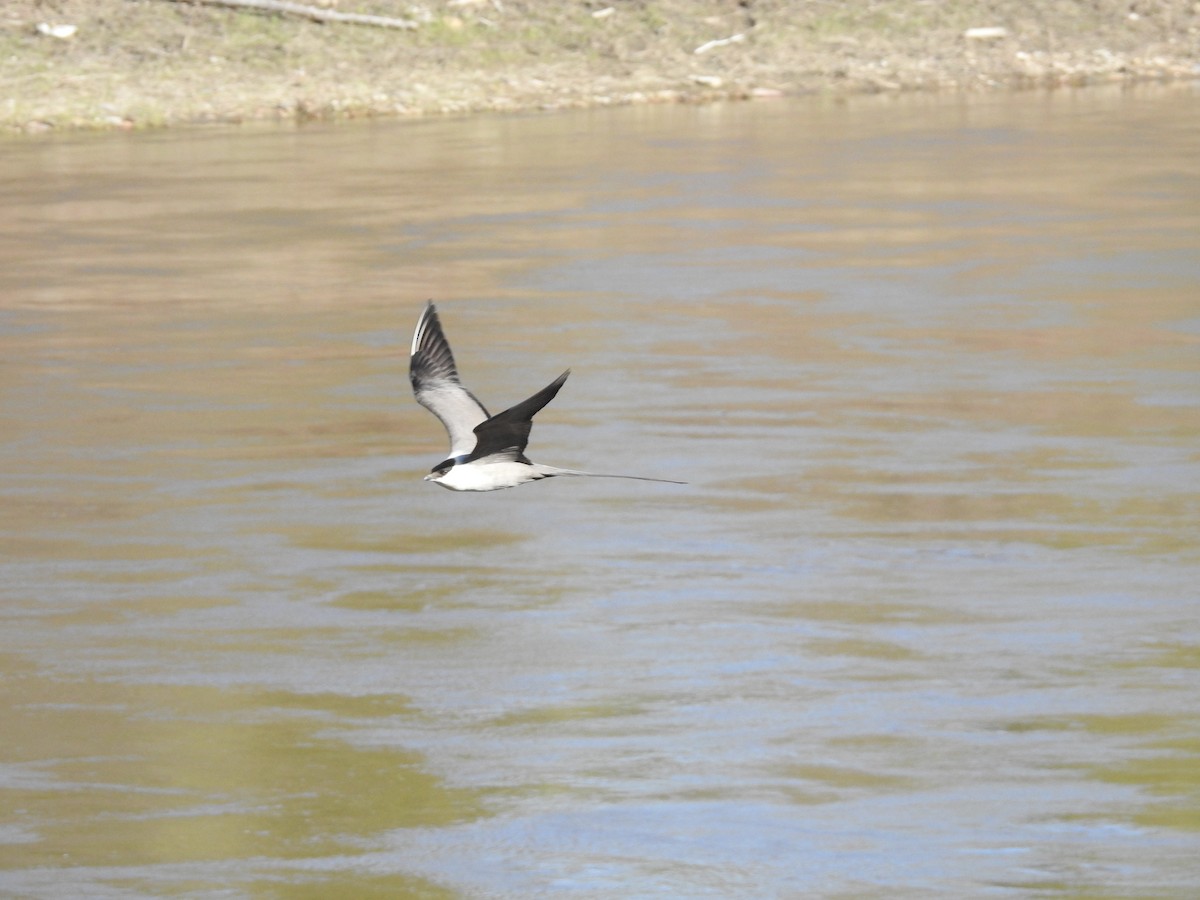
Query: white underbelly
[[488, 476]]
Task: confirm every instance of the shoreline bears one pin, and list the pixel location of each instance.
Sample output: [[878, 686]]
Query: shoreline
[[72, 65]]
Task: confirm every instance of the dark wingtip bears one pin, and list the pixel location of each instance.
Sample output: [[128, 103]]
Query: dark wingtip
[[429, 312], [430, 350]]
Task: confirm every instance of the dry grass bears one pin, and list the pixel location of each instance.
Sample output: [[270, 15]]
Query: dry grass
[[140, 63]]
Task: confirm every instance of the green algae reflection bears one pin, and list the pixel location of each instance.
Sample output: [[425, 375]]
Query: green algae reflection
[[127, 775]]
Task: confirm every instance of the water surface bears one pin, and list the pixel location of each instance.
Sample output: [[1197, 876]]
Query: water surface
[[923, 623]]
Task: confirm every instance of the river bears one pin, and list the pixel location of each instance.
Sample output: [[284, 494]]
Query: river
[[924, 622]]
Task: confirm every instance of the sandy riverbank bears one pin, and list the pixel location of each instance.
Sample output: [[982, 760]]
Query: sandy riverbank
[[69, 64]]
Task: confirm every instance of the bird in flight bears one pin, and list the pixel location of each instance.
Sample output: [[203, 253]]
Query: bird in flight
[[487, 452]]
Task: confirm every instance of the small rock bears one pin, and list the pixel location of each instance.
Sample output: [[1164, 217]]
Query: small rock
[[711, 81], [62, 32], [989, 33]]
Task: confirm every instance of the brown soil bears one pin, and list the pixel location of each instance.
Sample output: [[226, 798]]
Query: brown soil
[[141, 63]]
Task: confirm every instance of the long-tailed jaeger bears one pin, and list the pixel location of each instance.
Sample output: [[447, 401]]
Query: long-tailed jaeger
[[487, 452]]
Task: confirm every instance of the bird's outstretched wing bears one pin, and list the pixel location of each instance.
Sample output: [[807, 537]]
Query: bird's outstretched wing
[[505, 434], [437, 388]]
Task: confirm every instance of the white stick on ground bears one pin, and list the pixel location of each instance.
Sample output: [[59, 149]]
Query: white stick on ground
[[286, 8]]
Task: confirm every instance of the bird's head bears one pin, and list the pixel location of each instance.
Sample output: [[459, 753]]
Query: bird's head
[[438, 472]]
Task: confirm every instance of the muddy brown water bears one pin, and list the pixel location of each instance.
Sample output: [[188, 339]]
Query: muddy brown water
[[925, 622]]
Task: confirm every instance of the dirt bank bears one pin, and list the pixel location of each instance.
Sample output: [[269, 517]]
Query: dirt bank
[[144, 63]]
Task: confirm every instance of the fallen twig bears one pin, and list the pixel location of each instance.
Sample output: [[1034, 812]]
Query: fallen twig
[[723, 42], [286, 8]]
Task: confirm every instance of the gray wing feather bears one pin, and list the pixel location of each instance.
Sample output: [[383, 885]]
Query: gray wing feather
[[436, 386]]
